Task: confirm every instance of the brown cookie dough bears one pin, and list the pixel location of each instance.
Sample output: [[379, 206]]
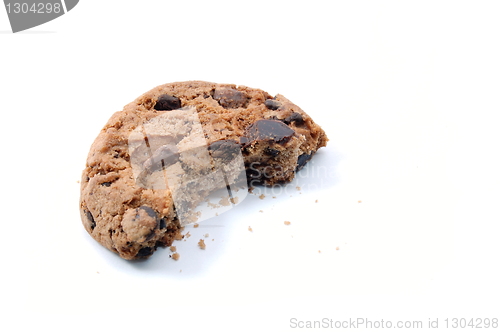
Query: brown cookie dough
[[121, 205]]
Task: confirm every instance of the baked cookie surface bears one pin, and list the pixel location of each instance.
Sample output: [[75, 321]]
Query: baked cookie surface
[[168, 133]]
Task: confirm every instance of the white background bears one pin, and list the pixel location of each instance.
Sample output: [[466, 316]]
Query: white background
[[408, 188]]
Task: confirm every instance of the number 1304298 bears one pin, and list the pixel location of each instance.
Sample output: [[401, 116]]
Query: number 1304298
[[35, 8]]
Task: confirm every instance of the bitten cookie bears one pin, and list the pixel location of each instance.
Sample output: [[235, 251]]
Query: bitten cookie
[[178, 131]]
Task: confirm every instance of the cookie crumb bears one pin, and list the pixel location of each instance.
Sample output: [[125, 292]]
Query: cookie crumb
[[187, 235], [337, 248], [261, 211], [359, 201], [316, 201], [193, 217], [201, 244], [224, 201], [196, 225], [216, 214], [298, 188], [234, 200], [287, 223], [180, 270], [207, 235], [250, 190], [179, 236], [274, 196], [250, 229], [212, 205], [262, 196], [173, 249], [319, 251], [175, 256], [213, 239]]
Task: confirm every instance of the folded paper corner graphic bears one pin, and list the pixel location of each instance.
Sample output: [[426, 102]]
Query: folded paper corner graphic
[[26, 14], [70, 4]]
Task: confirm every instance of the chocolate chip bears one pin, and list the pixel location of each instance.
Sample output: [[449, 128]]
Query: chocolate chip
[[270, 130], [272, 104], [145, 252], [148, 210], [272, 152], [163, 223], [106, 184], [224, 150], [167, 103], [294, 117], [302, 160], [90, 217], [164, 156], [230, 98]]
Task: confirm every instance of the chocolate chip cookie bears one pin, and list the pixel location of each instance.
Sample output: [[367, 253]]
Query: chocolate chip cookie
[[174, 145]]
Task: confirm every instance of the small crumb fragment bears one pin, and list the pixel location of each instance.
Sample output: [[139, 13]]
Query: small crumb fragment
[[359, 201], [287, 223], [337, 248], [97, 272], [213, 239], [250, 229], [216, 214], [316, 201], [234, 200], [196, 225], [274, 196], [250, 190], [179, 236], [202, 244], [224, 201], [175, 256], [173, 249], [180, 270], [319, 251], [187, 235], [262, 196], [212, 205], [207, 235], [261, 211], [193, 217], [298, 188]]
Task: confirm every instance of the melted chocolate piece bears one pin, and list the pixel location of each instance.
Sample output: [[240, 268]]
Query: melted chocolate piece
[[165, 155], [167, 103], [302, 160], [270, 130], [90, 217], [294, 117], [163, 223], [224, 150], [148, 210], [272, 104], [145, 252], [272, 152], [230, 98]]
